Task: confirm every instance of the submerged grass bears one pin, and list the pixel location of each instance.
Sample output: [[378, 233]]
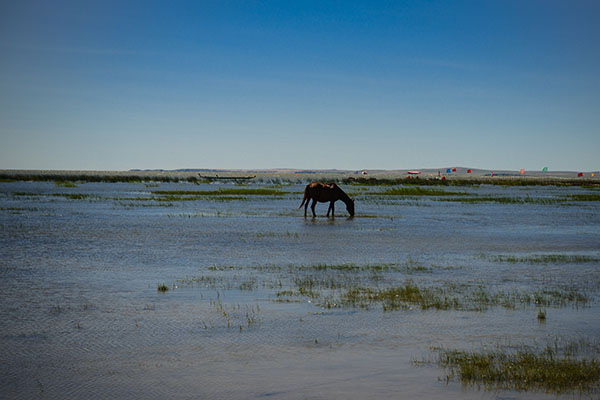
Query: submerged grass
[[65, 184], [162, 288], [546, 259], [222, 192], [504, 200], [71, 196], [398, 297], [369, 285], [522, 370], [348, 292], [415, 191], [584, 197]]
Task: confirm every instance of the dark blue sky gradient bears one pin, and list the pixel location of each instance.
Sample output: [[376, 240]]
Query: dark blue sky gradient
[[265, 84]]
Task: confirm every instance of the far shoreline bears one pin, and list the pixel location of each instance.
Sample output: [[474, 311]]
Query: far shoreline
[[429, 176]]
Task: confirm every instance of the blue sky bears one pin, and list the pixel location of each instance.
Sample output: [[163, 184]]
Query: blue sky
[[115, 85]]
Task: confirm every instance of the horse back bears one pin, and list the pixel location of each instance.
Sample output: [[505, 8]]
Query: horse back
[[323, 192]]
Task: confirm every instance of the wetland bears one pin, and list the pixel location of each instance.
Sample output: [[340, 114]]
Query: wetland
[[185, 289]]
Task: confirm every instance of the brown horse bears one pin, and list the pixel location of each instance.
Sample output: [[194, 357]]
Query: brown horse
[[323, 193]]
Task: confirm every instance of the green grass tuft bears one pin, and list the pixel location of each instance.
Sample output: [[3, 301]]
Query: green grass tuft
[[162, 288], [523, 370], [541, 315]]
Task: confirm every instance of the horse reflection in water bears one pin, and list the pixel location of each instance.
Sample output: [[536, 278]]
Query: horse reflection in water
[[323, 193]]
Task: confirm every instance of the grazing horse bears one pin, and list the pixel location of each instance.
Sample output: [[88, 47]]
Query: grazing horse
[[323, 193]]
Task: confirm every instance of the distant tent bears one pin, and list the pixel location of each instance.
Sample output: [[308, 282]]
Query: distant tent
[[448, 171], [522, 171], [545, 169], [579, 175], [453, 169], [468, 171]]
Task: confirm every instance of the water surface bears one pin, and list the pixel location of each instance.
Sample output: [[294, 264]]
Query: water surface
[[82, 317]]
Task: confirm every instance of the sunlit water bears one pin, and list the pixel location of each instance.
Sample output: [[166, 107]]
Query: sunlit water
[[82, 317]]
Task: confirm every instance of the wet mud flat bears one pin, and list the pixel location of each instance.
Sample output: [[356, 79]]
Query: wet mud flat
[[178, 290]]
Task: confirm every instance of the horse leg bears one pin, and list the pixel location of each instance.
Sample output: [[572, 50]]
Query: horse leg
[[306, 207], [312, 207], [331, 209]]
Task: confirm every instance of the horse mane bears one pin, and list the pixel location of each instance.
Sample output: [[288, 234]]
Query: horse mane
[[343, 196]]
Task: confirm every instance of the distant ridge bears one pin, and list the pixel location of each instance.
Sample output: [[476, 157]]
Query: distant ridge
[[425, 172], [199, 174]]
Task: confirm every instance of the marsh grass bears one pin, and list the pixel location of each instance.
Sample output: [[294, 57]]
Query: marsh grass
[[545, 259], [415, 191], [380, 285], [541, 315], [71, 196], [584, 197], [65, 184], [19, 210], [522, 370], [399, 297], [504, 200], [348, 292], [222, 192], [97, 177], [162, 288], [236, 316]]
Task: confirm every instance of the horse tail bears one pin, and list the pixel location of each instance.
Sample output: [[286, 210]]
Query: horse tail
[[306, 197]]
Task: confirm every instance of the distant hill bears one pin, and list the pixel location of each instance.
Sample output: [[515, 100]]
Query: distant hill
[[424, 172]]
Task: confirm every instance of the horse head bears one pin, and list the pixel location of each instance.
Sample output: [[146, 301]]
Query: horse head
[[350, 207]]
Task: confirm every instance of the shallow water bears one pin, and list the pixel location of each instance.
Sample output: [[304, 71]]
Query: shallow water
[[82, 317]]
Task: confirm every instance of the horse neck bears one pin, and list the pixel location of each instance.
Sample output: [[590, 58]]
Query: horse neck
[[344, 197]]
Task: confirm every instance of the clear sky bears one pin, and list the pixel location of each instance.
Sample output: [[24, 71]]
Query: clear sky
[[115, 85]]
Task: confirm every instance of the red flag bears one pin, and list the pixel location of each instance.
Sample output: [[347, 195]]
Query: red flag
[[453, 169], [468, 171], [579, 175]]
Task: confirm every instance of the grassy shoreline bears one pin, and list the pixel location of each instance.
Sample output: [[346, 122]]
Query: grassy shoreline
[[346, 178]]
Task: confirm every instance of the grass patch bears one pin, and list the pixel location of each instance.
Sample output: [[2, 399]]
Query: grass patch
[[162, 288], [65, 184], [382, 285], [71, 196], [415, 191], [221, 192], [546, 259], [522, 370], [96, 177], [399, 297], [347, 292], [504, 200], [584, 197], [541, 315]]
